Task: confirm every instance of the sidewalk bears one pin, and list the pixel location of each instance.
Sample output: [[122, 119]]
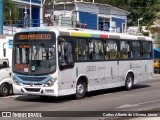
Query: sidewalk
[[156, 76]]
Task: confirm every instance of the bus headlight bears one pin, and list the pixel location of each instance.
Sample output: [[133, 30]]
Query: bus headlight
[[16, 82], [50, 82]]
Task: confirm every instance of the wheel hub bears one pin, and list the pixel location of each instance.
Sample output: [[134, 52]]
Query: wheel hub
[[129, 82], [5, 90], [80, 88]]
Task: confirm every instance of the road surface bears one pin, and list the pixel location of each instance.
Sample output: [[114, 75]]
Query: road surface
[[144, 96]]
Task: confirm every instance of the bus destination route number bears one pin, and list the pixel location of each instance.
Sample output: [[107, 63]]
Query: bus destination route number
[[35, 36]]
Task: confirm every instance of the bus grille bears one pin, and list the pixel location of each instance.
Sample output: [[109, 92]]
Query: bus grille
[[32, 78], [33, 84], [32, 89]]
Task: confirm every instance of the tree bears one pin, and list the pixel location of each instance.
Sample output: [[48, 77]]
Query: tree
[[11, 12], [157, 40], [146, 9]]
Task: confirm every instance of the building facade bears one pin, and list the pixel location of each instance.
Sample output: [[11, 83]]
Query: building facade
[[89, 15], [29, 10]]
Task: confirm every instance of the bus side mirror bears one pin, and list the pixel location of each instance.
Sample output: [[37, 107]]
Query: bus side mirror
[[4, 52]]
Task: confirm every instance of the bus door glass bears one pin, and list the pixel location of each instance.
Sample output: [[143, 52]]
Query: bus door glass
[[65, 52]]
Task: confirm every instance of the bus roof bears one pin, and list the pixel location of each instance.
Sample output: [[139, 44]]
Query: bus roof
[[78, 32]]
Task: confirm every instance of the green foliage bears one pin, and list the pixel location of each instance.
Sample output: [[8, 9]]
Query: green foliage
[[145, 33], [146, 9], [158, 38], [11, 12]]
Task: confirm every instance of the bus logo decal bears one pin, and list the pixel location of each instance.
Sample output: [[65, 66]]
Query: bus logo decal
[[31, 84], [91, 68]]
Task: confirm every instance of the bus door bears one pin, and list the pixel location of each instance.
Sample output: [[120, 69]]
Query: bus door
[[66, 76], [96, 67], [111, 64]]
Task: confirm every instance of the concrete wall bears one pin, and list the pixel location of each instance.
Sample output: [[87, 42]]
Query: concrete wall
[[89, 19], [119, 22]]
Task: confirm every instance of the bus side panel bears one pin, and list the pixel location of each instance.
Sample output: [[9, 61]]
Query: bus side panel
[[96, 73], [147, 69], [124, 67], [136, 67], [112, 74], [66, 81]]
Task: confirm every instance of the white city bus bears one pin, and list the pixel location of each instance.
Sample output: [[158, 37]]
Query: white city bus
[[56, 61]]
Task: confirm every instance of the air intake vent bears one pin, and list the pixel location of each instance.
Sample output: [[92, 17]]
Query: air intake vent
[[32, 89]]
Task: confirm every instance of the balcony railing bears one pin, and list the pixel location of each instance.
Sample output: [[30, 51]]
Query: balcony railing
[[11, 27]]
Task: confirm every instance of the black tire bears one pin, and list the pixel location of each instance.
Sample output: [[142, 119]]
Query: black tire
[[81, 89], [129, 82], [4, 90]]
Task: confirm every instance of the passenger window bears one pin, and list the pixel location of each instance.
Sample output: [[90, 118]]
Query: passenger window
[[124, 50], [136, 50], [147, 50], [81, 49], [96, 49], [110, 50]]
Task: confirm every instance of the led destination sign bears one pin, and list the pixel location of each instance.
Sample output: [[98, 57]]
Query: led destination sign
[[35, 36]]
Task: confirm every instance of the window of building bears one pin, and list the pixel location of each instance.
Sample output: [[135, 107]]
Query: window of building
[[96, 49], [81, 49], [136, 50], [110, 49], [147, 49], [124, 50]]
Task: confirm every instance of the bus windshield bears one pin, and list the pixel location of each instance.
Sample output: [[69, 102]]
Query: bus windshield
[[34, 59]]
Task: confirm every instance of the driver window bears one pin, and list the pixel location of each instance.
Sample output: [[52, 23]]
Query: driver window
[[3, 64]]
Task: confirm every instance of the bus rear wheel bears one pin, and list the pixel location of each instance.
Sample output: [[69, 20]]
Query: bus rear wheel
[[129, 82], [4, 90], [81, 88]]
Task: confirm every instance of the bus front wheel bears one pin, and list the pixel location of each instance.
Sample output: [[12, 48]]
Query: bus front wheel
[[81, 89], [4, 90], [129, 82]]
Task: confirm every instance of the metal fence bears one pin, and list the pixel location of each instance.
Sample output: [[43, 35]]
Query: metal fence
[[11, 27]]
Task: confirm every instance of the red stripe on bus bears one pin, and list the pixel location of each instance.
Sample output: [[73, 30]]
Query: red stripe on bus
[[103, 36]]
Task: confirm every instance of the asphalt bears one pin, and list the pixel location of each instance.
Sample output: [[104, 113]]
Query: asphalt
[[155, 76]]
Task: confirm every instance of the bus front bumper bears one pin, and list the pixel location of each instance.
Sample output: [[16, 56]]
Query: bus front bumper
[[33, 90]]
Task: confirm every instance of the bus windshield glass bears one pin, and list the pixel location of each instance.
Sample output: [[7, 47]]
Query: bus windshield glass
[[34, 58]]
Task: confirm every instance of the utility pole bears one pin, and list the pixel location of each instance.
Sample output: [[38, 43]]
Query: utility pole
[[53, 13], [64, 7], [41, 14], [1, 17], [30, 13], [138, 23]]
